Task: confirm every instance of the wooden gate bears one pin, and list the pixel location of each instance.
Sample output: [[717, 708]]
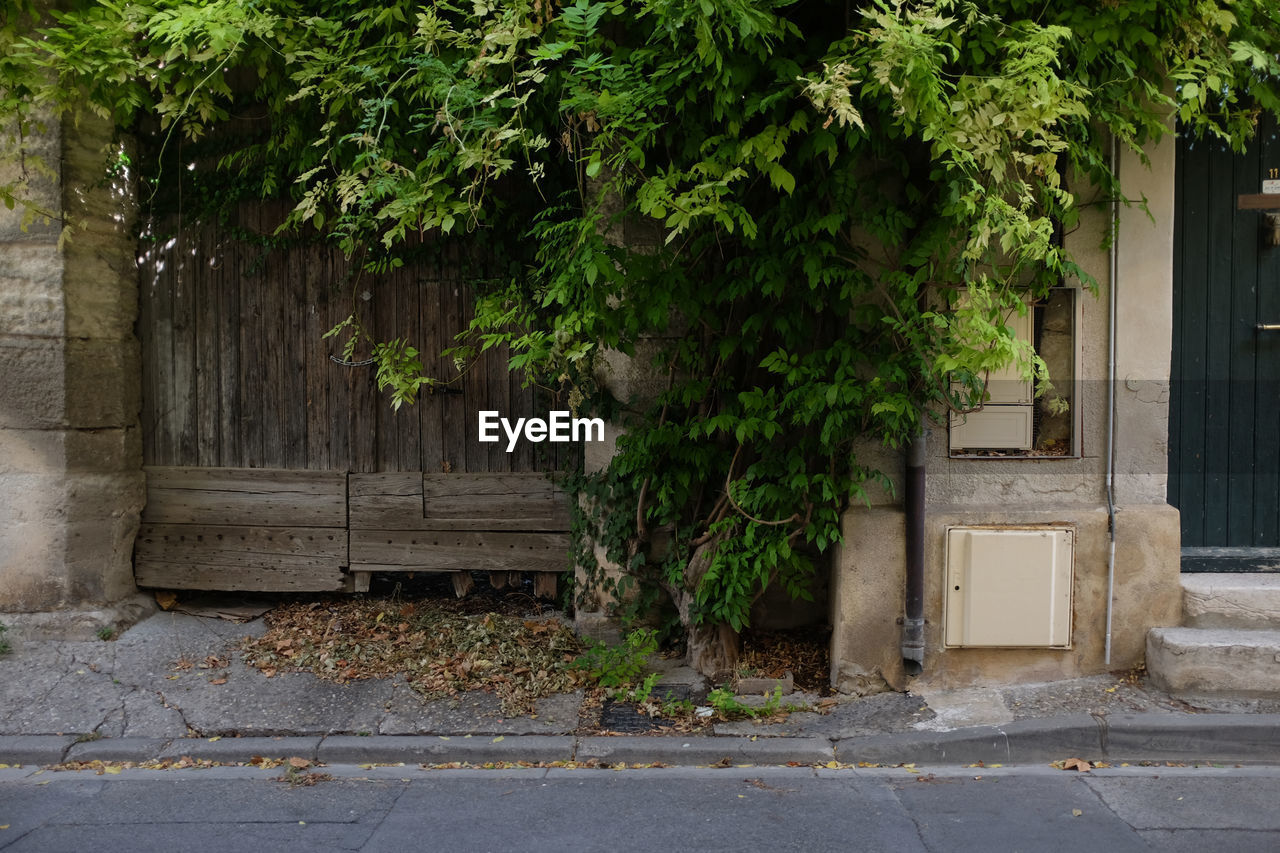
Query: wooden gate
[[273, 466], [1224, 427]]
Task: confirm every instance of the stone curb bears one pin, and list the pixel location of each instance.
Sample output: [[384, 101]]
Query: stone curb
[[118, 749], [431, 749], [1073, 736], [1121, 737], [705, 750], [236, 749], [1223, 737], [34, 749]]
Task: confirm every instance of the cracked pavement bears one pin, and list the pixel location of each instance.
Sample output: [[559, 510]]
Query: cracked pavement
[[132, 687]]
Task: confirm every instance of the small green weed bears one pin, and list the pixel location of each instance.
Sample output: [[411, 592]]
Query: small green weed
[[726, 704], [106, 632], [5, 648], [619, 666]]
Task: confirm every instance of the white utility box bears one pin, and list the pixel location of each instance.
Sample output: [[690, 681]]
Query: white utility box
[[1009, 587]]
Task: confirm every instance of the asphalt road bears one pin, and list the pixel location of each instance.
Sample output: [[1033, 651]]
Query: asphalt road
[[733, 809]]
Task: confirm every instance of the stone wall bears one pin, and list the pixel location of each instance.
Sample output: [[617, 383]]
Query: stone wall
[[869, 577], [71, 482]]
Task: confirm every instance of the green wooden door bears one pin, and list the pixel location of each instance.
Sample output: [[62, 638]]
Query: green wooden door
[[1224, 416]]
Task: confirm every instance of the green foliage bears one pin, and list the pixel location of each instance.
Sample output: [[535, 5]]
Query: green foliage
[[105, 633], [5, 647], [823, 215], [622, 665], [727, 704]]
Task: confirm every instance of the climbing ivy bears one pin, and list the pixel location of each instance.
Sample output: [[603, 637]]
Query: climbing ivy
[[812, 218]]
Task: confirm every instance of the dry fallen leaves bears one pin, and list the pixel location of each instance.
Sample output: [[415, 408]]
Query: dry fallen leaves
[[1073, 764], [439, 652]]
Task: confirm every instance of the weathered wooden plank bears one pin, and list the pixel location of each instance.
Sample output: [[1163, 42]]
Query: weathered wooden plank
[[388, 501], [186, 277], [271, 351], [357, 581], [408, 324], [544, 584], [227, 266], [363, 398], [208, 356], [409, 551], [263, 497], [497, 383], [475, 389], [186, 575], [493, 502], [412, 501], [453, 405], [337, 388], [293, 391], [463, 583], [161, 273], [249, 547], [252, 375], [431, 406], [148, 283], [315, 382]]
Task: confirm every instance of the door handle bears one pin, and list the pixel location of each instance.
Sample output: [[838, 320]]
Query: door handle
[[1268, 327]]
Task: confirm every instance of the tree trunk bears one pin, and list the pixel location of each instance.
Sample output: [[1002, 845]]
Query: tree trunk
[[713, 649]]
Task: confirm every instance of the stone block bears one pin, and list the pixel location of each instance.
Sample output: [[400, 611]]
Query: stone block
[[103, 383], [31, 302], [1231, 600], [32, 383], [103, 451], [1196, 661], [31, 451]]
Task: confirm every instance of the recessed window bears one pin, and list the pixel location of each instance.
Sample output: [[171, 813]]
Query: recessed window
[[1020, 417]]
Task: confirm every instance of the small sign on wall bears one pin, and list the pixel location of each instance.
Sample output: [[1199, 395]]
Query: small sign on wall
[[1270, 187]]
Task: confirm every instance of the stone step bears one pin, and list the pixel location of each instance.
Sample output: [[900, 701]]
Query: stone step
[[1231, 600], [1198, 661]]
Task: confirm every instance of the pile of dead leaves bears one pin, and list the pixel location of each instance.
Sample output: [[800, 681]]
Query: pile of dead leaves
[[439, 652], [804, 652]]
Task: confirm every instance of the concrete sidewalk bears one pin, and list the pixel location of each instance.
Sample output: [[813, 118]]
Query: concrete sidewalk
[[125, 700]]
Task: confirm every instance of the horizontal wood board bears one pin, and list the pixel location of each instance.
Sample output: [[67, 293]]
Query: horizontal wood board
[[413, 551], [511, 502], [227, 528], [244, 496]]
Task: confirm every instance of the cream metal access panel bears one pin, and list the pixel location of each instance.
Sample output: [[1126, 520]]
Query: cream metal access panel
[[1009, 587]]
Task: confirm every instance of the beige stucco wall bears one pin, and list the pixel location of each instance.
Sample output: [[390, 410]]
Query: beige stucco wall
[[71, 483], [868, 571]]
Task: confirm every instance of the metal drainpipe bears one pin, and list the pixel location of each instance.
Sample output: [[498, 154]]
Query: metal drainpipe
[[913, 623], [1111, 397]]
